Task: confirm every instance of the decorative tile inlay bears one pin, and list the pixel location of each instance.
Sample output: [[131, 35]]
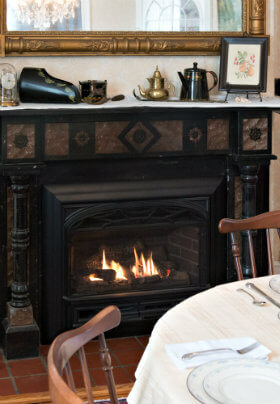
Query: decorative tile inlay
[[152, 136], [81, 139], [57, 139], [20, 141], [217, 134], [255, 134], [107, 137], [139, 137], [171, 139], [195, 136]]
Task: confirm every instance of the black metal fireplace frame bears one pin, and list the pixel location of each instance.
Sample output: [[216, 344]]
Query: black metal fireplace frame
[[64, 204]]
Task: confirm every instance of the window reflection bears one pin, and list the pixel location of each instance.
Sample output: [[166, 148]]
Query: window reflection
[[171, 15], [144, 15]]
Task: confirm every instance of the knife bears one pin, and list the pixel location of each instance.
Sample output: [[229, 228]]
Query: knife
[[250, 285]]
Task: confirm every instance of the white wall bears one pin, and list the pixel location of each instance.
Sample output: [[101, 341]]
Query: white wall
[[122, 72]]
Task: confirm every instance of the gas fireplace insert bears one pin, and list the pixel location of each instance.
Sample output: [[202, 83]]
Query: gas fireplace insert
[[144, 246]]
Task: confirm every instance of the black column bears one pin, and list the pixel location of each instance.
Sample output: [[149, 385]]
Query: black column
[[21, 331], [249, 177], [20, 242]]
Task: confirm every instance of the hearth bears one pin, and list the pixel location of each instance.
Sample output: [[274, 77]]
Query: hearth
[[145, 245]]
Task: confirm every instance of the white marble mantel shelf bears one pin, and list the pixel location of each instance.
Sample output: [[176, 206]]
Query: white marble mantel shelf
[[131, 102]]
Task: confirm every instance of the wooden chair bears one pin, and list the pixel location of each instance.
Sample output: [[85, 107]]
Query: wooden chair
[[268, 220], [70, 342]]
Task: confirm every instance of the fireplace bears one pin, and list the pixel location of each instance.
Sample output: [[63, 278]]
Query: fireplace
[[143, 245], [88, 191]]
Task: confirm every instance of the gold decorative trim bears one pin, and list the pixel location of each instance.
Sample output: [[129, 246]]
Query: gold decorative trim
[[126, 43], [257, 21]]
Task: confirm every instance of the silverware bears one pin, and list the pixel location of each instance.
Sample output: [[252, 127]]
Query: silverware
[[255, 301], [239, 351], [261, 292]]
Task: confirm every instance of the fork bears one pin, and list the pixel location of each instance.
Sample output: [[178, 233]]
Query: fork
[[241, 351]]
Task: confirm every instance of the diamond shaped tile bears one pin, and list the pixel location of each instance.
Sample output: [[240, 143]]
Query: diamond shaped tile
[[139, 136]]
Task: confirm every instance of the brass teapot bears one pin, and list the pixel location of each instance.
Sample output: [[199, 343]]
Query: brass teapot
[[156, 91]]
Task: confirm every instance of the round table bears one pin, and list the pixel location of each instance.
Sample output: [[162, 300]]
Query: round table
[[220, 312]]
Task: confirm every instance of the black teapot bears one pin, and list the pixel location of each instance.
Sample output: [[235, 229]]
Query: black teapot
[[194, 84]]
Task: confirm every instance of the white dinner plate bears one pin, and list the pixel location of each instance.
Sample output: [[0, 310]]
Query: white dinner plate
[[197, 375], [274, 283], [244, 381]]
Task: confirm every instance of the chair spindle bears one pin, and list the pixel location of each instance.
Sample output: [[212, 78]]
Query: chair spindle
[[86, 375], [236, 256], [252, 254], [107, 367], [269, 253], [69, 376]]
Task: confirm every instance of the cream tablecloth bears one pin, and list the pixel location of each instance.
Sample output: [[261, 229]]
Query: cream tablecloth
[[220, 312]]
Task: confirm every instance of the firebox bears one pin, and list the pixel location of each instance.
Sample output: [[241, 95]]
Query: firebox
[[143, 245]]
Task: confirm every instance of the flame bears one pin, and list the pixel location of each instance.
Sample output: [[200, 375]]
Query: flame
[[120, 274], [94, 278], [144, 267]]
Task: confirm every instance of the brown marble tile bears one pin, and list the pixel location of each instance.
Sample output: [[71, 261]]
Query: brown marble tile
[[20, 141], [255, 134], [107, 137], [218, 134], [171, 139], [57, 139]]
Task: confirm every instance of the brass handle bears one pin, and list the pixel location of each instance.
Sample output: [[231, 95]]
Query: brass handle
[[171, 87]]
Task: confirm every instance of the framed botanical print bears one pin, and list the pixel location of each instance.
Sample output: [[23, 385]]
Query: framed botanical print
[[243, 66]]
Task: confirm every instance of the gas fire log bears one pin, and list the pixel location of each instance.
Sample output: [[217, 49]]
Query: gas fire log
[[166, 268], [147, 279], [108, 275]]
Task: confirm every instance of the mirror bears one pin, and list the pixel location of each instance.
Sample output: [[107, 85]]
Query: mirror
[[125, 27], [125, 15]]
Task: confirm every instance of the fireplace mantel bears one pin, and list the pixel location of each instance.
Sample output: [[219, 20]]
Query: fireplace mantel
[[131, 102], [129, 142]]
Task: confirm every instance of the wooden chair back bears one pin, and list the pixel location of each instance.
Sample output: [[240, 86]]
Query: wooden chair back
[[71, 342], [267, 221]]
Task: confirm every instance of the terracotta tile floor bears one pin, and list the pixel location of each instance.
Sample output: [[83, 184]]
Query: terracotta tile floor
[[30, 375]]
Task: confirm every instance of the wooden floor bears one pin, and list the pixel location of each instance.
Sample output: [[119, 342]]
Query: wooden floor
[[100, 393], [25, 381]]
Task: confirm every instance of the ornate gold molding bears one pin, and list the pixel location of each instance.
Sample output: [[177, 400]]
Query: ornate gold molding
[[127, 43], [257, 21]]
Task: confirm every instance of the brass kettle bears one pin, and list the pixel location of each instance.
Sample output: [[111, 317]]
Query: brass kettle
[[156, 91]]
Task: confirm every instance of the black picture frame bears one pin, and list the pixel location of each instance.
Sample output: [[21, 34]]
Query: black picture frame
[[225, 83]]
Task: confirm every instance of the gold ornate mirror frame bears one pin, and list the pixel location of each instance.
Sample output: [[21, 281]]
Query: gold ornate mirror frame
[[31, 43]]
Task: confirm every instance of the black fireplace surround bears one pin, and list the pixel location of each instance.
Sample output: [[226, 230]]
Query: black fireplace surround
[[121, 206], [175, 217]]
